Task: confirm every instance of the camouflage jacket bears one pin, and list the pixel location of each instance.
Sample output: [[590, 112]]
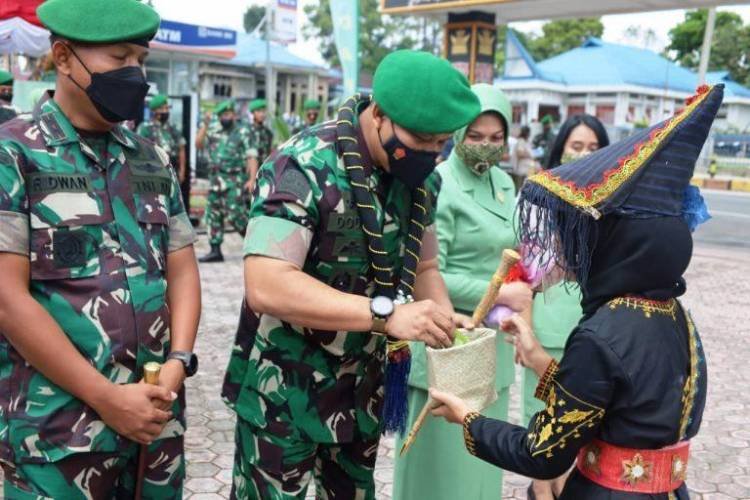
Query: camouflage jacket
[[320, 386], [97, 217], [261, 139], [228, 150], [7, 112], [166, 136]]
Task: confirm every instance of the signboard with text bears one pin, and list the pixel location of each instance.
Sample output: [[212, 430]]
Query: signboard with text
[[285, 21], [195, 39]]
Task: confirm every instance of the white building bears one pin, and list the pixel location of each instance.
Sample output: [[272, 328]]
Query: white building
[[621, 85]]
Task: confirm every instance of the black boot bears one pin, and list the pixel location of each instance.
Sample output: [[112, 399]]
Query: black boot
[[213, 256]]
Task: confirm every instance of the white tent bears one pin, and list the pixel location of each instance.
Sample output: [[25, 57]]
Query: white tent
[[20, 29], [18, 36]]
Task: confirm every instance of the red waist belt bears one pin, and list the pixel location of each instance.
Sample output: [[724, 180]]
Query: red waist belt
[[638, 471]]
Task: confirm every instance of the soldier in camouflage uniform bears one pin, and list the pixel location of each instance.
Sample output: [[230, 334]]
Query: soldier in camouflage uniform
[[261, 138], [7, 111], [99, 274], [311, 107], [306, 373], [230, 166], [164, 134]]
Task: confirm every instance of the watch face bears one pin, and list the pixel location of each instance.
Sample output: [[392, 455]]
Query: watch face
[[192, 365], [382, 306]]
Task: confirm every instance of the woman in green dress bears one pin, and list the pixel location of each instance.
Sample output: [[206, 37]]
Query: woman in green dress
[[474, 224], [558, 309]]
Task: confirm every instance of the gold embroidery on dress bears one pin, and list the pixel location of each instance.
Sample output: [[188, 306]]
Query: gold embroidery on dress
[[590, 196], [636, 470], [691, 384], [571, 417], [649, 307], [561, 420], [591, 462]]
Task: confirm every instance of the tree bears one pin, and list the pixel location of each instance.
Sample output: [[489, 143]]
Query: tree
[[253, 16], [563, 35], [378, 34], [729, 49], [639, 36], [557, 37]]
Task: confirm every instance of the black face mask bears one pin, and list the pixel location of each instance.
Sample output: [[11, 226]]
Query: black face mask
[[227, 123], [411, 166], [162, 117], [117, 95], [6, 96]]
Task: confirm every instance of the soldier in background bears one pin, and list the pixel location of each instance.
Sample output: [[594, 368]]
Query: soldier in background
[[311, 107], [7, 111], [164, 134], [261, 141], [99, 274], [230, 155]]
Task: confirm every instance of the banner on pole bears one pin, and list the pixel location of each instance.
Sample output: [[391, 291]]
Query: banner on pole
[[345, 16], [285, 21]]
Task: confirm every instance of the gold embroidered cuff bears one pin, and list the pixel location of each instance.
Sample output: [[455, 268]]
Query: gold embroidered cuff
[[468, 438], [542, 388]]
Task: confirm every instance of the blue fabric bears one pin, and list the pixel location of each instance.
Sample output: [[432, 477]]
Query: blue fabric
[[694, 208]]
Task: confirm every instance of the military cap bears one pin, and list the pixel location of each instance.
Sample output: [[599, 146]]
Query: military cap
[[547, 120], [157, 101], [311, 104], [424, 93], [256, 104], [100, 22], [6, 78], [227, 105]]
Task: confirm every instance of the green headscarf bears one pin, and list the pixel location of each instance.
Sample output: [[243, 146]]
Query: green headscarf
[[490, 99]]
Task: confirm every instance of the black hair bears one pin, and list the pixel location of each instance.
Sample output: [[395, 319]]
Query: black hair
[[525, 132], [556, 151]]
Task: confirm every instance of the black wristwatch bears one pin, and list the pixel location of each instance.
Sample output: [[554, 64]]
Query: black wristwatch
[[381, 308], [188, 359]]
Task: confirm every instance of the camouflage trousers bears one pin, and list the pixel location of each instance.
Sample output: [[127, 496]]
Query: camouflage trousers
[[271, 467], [227, 200], [101, 476]]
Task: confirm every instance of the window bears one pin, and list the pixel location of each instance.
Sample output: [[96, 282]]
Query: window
[[606, 113], [576, 109], [518, 113]]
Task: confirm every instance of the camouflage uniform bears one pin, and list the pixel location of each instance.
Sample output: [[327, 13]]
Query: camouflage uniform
[[228, 152], [97, 216], [166, 136], [261, 139], [7, 112], [309, 401]]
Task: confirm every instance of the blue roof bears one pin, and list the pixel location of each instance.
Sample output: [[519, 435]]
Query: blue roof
[[602, 63], [730, 86], [251, 51]]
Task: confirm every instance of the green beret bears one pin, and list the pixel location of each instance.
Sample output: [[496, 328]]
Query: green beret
[[157, 101], [100, 22], [256, 104], [6, 78], [547, 120], [311, 104], [424, 93], [227, 105]]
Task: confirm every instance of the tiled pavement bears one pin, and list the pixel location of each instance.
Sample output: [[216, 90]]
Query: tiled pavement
[[718, 295]]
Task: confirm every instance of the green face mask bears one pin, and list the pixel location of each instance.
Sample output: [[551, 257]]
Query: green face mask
[[571, 157], [480, 157]]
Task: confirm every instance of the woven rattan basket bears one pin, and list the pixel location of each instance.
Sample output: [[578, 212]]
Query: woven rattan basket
[[468, 370]]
